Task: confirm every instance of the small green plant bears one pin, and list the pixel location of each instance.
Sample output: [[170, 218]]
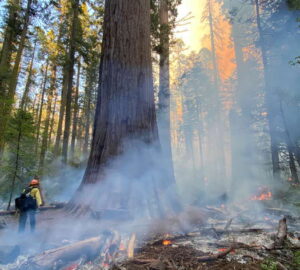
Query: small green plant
[[296, 259], [269, 264]]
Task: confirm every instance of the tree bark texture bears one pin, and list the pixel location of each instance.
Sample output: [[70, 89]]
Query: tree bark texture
[[125, 107], [125, 115]]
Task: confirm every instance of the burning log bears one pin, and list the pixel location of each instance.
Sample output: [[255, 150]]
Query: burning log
[[48, 259], [215, 256]]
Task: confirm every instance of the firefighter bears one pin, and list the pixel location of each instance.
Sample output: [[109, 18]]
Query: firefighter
[[28, 203]]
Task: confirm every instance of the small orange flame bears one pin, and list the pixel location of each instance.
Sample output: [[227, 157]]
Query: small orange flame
[[166, 242], [122, 247], [225, 249], [262, 197]]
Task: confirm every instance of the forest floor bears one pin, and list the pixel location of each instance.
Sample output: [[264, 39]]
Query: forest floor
[[232, 237]]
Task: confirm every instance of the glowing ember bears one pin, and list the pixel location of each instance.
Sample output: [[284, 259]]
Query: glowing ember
[[122, 247], [264, 194], [166, 242], [225, 249]]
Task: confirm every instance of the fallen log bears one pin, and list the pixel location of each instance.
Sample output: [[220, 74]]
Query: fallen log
[[49, 259], [214, 257], [42, 208]]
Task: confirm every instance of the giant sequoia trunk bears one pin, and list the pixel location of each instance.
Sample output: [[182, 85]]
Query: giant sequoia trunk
[[122, 169]]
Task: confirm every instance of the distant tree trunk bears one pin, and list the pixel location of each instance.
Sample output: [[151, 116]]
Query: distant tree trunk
[[87, 116], [28, 82], [15, 72], [44, 144], [75, 113], [16, 166], [52, 120], [269, 100], [164, 87], [200, 129], [61, 113], [10, 36], [125, 112], [43, 90], [243, 147], [217, 172], [290, 147], [70, 71]]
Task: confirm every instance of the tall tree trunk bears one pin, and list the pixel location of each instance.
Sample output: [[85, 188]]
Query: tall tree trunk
[[10, 36], [70, 70], [28, 82], [61, 113], [164, 88], [269, 100], [243, 147], [217, 171], [125, 115], [43, 90], [52, 120], [15, 72], [290, 146], [87, 116], [16, 166], [44, 144], [75, 113]]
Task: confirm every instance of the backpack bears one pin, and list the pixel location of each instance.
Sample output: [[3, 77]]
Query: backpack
[[26, 202]]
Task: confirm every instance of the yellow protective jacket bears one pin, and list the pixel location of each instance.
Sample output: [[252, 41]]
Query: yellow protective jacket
[[35, 193]]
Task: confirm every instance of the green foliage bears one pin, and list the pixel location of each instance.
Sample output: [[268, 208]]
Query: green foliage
[[293, 4], [20, 160], [269, 264], [156, 29], [296, 259]]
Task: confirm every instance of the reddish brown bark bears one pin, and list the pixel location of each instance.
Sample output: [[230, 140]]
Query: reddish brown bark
[[125, 113]]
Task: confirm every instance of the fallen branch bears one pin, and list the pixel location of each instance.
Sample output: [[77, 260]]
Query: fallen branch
[[214, 257]]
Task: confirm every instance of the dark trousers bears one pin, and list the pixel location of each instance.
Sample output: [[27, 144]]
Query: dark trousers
[[23, 219]]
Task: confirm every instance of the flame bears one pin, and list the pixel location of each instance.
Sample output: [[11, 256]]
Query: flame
[[166, 242], [225, 249], [122, 247], [262, 197]]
